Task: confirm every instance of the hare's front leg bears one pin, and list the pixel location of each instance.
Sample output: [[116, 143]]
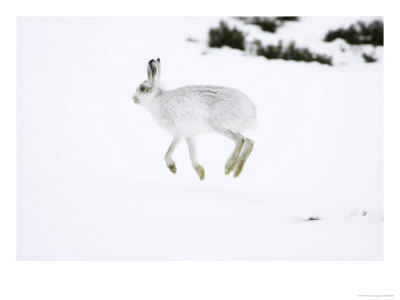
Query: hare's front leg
[[170, 163], [193, 158]]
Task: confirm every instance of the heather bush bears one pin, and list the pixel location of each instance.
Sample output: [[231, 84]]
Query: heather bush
[[225, 36], [369, 58], [269, 24], [290, 52], [284, 19], [359, 33]]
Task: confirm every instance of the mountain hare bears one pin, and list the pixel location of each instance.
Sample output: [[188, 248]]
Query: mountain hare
[[190, 110]]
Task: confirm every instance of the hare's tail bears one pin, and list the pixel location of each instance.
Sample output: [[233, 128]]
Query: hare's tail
[[253, 124]]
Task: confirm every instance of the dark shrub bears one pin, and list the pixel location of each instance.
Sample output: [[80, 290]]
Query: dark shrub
[[313, 218], [269, 51], [290, 52], [359, 34], [224, 36], [369, 58], [269, 24], [284, 19], [266, 24]]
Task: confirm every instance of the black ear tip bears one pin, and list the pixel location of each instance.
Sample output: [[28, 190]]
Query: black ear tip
[[151, 61], [158, 60]]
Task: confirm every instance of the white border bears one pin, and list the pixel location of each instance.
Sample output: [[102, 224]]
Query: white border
[[196, 280]]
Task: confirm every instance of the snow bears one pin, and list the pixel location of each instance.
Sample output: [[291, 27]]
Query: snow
[[92, 183]]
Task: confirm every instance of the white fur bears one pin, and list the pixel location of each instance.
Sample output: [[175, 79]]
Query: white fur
[[191, 110]]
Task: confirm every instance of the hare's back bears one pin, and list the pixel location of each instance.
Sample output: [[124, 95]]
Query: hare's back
[[214, 98], [229, 108], [225, 107]]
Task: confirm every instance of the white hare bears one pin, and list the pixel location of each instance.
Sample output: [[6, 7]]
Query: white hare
[[190, 110]]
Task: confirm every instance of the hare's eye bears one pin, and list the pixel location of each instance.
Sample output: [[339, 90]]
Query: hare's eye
[[142, 88]]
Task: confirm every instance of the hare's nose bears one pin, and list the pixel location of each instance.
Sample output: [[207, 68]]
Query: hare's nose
[[135, 99]]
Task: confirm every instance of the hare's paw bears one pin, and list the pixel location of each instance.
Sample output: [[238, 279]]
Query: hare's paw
[[239, 168], [243, 158], [171, 165], [200, 171], [230, 164]]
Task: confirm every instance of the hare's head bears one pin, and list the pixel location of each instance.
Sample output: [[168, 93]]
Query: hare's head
[[152, 87]]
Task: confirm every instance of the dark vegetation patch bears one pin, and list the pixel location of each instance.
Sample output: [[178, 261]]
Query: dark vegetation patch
[[236, 39], [369, 58], [269, 24], [290, 52], [313, 218], [284, 19], [192, 40], [359, 33], [225, 36]]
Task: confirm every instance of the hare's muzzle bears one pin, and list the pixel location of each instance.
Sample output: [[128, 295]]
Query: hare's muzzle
[[135, 99]]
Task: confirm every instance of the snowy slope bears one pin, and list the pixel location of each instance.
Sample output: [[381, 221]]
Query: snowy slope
[[92, 183]]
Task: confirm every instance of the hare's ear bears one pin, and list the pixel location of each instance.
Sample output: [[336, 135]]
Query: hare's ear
[[150, 70], [158, 62], [153, 70]]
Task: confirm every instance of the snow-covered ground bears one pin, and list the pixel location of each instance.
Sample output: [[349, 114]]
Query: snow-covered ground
[[92, 183]]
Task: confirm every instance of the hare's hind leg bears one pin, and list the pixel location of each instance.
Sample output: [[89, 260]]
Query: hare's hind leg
[[231, 162], [248, 147], [239, 141], [193, 158], [170, 163]]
